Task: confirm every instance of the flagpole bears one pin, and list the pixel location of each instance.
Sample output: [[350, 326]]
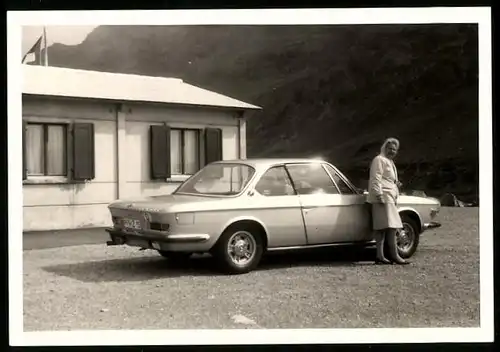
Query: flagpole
[[46, 56]]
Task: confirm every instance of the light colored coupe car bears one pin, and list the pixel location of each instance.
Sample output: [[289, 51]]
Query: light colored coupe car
[[238, 210]]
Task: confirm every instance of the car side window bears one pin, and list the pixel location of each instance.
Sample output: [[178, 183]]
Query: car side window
[[311, 179], [343, 187], [275, 182]]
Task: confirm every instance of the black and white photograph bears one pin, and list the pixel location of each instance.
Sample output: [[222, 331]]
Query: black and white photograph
[[250, 176]]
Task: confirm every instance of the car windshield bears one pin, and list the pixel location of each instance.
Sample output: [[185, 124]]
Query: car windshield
[[218, 179]]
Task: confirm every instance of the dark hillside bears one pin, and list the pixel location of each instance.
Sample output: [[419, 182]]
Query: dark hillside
[[335, 91]]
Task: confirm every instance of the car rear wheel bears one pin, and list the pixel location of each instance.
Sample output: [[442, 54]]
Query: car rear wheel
[[239, 249], [408, 237], [175, 256]]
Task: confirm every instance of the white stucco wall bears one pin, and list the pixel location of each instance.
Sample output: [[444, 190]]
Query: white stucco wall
[[121, 158], [62, 206]]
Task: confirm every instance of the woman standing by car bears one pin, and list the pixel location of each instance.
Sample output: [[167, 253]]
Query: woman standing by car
[[383, 195]]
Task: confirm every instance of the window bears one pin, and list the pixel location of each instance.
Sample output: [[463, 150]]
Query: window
[[341, 184], [311, 179], [46, 149], [275, 182], [175, 151], [184, 151], [219, 179]]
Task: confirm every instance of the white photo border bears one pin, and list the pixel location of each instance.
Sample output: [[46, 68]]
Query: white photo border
[[17, 19]]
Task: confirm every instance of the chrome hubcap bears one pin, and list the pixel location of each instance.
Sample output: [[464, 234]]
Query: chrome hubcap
[[241, 247], [405, 237]]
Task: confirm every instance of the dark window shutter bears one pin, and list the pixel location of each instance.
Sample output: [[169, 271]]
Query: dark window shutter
[[83, 151], [213, 145], [159, 137], [25, 172]]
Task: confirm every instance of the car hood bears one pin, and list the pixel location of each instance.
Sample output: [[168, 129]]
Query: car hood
[[163, 203], [417, 200]]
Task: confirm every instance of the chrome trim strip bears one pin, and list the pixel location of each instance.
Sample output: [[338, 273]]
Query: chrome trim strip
[[161, 236], [342, 244], [189, 238]]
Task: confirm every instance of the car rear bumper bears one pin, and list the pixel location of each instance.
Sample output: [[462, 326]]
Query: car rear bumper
[[153, 239]]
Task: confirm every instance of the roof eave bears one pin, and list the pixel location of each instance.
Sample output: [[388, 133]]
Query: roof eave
[[247, 107]]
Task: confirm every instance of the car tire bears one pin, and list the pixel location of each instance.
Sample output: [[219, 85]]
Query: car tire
[[231, 240], [175, 256], [411, 243]]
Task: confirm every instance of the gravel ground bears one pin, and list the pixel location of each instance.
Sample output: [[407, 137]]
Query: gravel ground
[[100, 287]]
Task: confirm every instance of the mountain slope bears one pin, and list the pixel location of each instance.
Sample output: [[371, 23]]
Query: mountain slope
[[335, 91]]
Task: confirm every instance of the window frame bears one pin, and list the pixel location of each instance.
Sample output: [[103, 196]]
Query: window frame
[[182, 131], [44, 178], [287, 175], [288, 165], [342, 178]]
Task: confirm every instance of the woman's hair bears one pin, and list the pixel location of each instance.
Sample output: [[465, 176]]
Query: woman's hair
[[387, 142]]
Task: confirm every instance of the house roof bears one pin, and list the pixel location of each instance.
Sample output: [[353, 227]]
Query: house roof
[[65, 82]]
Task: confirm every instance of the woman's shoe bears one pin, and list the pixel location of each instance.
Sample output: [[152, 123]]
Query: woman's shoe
[[401, 262], [382, 261]]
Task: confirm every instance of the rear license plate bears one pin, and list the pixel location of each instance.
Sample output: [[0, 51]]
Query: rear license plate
[[155, 245], [132, 224]]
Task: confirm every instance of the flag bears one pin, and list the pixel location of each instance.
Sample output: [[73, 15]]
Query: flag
[[36, 49]]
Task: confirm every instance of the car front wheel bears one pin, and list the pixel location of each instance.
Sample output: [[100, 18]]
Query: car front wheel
[[408, 238], [239, 249]]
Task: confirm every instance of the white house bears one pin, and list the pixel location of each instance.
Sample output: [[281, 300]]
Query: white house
[[93, 137]]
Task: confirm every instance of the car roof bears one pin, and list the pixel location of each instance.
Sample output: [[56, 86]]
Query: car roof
[[267, 162], [262, 164]]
